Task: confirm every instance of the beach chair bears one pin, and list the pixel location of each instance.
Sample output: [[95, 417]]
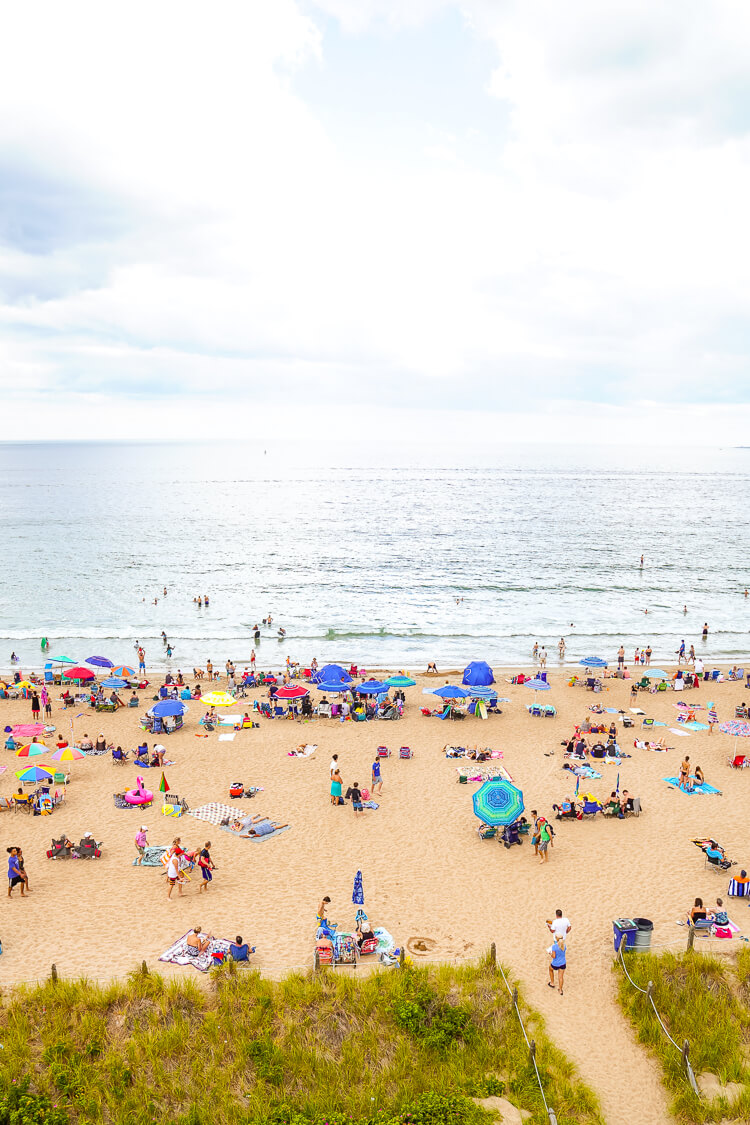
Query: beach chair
[[590, 808], [406, 752], [324, 710], [61, 778], [716, 864], [486, 832], [6, 804], [739, 888], [24, 802], [738, 762], [383, 752], [370, 945], [647, 723]]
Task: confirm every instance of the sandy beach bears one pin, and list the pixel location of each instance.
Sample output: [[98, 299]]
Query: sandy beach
[[428, 878]]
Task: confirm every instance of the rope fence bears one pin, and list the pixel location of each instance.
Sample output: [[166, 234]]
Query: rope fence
[[513, 993], [684, 1050]]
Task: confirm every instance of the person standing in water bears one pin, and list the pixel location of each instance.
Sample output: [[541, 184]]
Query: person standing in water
[[705, 630]]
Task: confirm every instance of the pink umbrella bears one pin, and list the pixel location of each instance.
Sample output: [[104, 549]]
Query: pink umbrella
[[68, 754], [291, 692]]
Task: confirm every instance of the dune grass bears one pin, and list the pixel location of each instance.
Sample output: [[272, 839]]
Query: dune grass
[[705, 1000], [412, 1045]]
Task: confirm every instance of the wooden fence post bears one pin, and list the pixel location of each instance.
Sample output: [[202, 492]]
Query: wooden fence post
[[53, 974], [493, 955]]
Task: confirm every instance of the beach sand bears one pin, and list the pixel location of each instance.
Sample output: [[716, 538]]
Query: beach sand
[[426, 873]]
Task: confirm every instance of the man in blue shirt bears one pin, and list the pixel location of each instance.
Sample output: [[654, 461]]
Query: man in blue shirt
[[377, 781], [239, 950], [14, 873]]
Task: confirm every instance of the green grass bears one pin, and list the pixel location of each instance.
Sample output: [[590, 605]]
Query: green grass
[[707, 1002], [307, 1050]]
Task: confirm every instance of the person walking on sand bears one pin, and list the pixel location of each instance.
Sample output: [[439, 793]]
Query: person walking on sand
[[206, 865], [559, 926], [545, 840], [535, 831], [355, 793], [713, 717], [35, 707], [334, 764], [174, 875], [141, 843], [336, 786], [557, 961], [377, 781], [14, 873]]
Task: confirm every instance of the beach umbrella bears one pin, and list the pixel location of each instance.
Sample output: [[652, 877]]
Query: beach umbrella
[[498, 802], [23, 684], [448, 691], [400, 681], [478, 674], [358, 894], [99, 661], [163, 784], [218, 699], [60, 660], [655, 674], [31, 750], [371, 687], [331, 673], [35, 773], [78, 673], [483, 693], [292, 691], [114, 682], [333, 688], [123, 671], [593, 662], [68, 754], [538, 685], [173, 707]]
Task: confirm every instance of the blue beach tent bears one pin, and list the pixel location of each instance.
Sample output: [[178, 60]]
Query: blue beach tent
[[478, 674]]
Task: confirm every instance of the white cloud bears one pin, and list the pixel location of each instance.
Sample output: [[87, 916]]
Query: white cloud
[[218, 233]]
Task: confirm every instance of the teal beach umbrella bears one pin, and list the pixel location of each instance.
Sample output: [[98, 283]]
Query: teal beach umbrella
[[498, 802]]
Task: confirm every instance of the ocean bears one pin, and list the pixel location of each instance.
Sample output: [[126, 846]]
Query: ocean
[[375, 558]]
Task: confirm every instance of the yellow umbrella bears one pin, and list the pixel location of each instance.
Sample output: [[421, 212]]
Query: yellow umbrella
[[218, 699], [23, 684]]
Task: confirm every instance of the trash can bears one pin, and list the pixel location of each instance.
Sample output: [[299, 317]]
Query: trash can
[[643, 934], [625, 930]]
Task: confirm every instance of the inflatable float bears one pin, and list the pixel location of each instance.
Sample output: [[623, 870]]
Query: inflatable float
[[139, 795]]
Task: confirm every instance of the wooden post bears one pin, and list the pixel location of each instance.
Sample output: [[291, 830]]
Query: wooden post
[[532, 1050], [691, 937], [515, 997], [401, 957], [53, 974], [144, 968], [685, 1053], [493, 954], [649, 989], [317, 962]]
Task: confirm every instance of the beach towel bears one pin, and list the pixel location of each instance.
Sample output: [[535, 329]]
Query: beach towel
[[582, 771], [704, 788], [306, 751], [370, 805], [151, 857], [253, 839], [385, 940], [177, 954], [213, 812], [738, 888], [680, 733], [636, 711], [227, 737], [693, 725]]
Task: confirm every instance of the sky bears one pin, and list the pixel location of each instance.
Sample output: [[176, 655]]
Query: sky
[[440, 222]]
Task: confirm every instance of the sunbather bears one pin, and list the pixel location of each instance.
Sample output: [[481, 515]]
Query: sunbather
[[196, 944], [255, 826], [646, 744], [698, 915]]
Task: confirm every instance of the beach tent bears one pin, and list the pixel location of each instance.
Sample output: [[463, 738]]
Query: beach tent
[[331, 674], [478, 674]]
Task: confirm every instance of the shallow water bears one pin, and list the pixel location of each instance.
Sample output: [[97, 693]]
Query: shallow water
[[364, 561]]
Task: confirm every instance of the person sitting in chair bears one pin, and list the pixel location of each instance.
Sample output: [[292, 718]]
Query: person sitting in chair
[[239, 950], [120, 755], [141, 755], [698, 915]]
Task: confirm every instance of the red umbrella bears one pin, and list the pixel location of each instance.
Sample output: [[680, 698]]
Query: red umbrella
[[78, 673], [292, 692]]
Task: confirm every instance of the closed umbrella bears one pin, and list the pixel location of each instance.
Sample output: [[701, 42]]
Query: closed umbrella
[[358, 894], [498, 802]]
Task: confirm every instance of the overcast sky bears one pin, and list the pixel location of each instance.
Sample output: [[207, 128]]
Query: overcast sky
[[450, 221]]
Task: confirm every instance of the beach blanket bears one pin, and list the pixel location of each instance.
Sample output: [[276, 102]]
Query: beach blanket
[[177, 954], [636, 711], [306, 751], [370, 805], [582, 771], [229, 720], [120, 803], [680, 733], [704, 788], [693, 725], [94, 753], [151, 857], [213, 812], [738, 888], [227, 737], [268, 835], [483, 773]]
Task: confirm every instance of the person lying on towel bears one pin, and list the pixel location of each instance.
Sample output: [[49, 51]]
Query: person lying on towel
[[255, 826]]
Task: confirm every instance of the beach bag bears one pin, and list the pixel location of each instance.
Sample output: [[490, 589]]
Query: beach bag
[[722, 931]]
